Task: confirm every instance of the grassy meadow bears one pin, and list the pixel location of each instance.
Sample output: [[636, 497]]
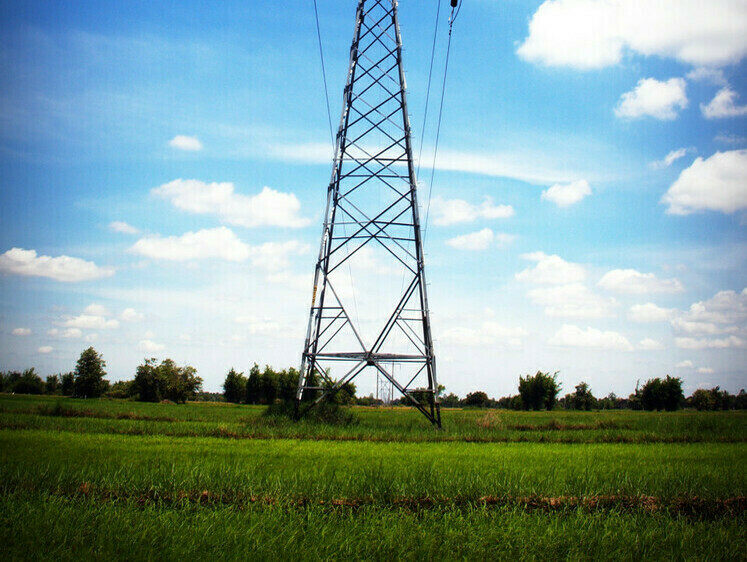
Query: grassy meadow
[[120, 479]]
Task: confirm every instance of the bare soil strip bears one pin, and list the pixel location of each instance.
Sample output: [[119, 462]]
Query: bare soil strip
[[690, 507]]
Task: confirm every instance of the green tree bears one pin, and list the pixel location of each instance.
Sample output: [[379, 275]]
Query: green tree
[[477, 399], [166, 381], [581, 399], [254, 385], [539, 391], [67, 384], [27, 382], [52, 385], [234, 387], [120, 390], [658, 394], [89, 375]]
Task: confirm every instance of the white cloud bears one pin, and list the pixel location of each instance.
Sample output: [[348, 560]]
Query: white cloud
[[574, 300], [723, 105], [123, 227], [217, 243], [474, 241], [70, 333], [705, 370], [21, 332], [669, 159], [267, 208], [150, 346], [660, 100], [18, 261], [730, 138], [550, 270], [486, 334], [95, 309], [45, 349], [705, 343], [649, 312], [718, 183], [634, 282], [573, 336], [564, 195], [259, 326], [446, 212], [649, 344], [706, 74], [131, 315], [90, 338], [686, 364], [90, 322], [724, 313], [591, 34], [183, 142], [275, 256]]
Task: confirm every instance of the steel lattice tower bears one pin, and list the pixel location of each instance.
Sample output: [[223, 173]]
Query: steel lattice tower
[[369, 306]]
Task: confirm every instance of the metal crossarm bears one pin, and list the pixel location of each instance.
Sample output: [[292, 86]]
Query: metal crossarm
[[369, 307]]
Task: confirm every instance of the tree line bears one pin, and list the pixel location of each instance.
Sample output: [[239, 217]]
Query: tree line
[[156, 382], [153, 382]]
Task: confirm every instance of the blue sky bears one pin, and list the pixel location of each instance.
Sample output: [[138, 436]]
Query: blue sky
[[164, 171]]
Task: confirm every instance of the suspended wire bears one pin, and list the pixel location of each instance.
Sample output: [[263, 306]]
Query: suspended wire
[[324, 73], [454, 14], [428, 89]]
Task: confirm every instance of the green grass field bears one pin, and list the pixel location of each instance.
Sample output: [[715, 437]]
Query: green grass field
[[117, 479]]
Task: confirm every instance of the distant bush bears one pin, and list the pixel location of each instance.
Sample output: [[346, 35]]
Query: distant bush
[[658, 394], [167, 381], [540, 391]]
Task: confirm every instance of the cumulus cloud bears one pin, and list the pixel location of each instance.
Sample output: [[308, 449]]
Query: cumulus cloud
[[123, 227], [446, 212], [669, 159], [649, 344], [474, 241], [592, 34], [267, 208], [705, 370], [216, 243], [150, 346], [724, 104], [705, 343], [487, 333], [183, 142], [45, 349], [686, 364], [21, 332], [18, 261], [550, 270], [573, 300], [649, 312], [70, 333], [131, 315], [564, 195], [90, 322], [718, 183], [660, 100], [707, 74], [573, 336], [716, 323], [96, 309], [634, 282]]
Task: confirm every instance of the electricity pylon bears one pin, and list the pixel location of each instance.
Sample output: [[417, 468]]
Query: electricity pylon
[[369, 306]]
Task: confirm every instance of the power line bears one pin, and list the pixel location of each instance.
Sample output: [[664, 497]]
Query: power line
[[324, 73], [454, 14]]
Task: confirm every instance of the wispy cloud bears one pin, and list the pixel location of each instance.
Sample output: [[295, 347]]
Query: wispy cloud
[[446, 212], [724, 104]]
